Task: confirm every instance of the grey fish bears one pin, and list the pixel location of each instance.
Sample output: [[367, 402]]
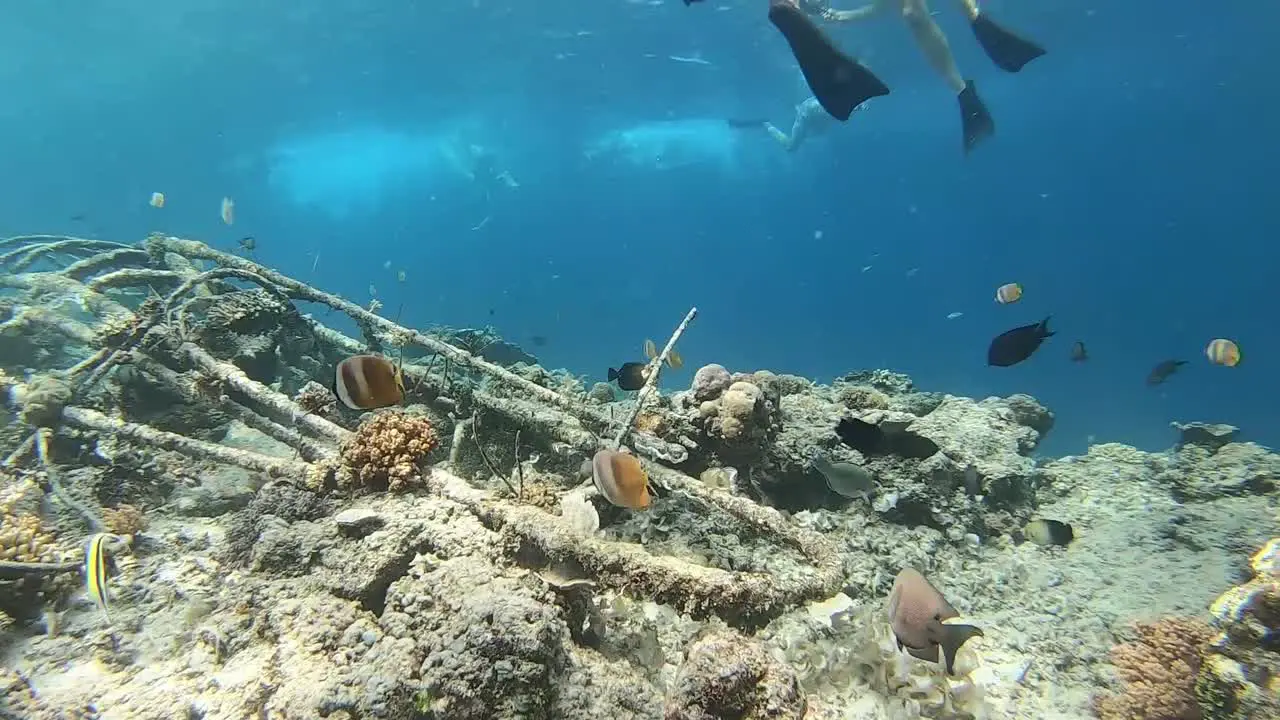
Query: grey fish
[[1161, 372], [847, 479], [916, 612]]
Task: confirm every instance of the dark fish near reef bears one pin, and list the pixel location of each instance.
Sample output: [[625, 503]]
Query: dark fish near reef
[[368, 382], [1078, 353], [1161, 372], [248, 244], [539, 340], [916, 612], [838, 82], [620, 479], [630, 376], [1048, 532], [845, 479], [1016, 345]]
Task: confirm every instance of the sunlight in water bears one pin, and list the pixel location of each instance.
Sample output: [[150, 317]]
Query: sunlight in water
[[354, 172]]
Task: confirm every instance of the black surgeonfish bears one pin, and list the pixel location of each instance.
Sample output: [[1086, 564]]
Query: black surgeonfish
[[838, 82], [1078, 353], [1162, 371], [630, 376], [1014, 346]]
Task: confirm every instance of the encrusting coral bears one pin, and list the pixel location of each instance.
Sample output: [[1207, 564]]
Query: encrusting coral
[[389, 449], [1159, 671], [1240, 678]]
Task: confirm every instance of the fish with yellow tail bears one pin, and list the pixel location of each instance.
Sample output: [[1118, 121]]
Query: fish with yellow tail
[[916, 612], [97, 568], [674, 361]]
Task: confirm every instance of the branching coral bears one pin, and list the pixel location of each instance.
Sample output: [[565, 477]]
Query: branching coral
[[124, 520], [1159, 671], [389, 449]]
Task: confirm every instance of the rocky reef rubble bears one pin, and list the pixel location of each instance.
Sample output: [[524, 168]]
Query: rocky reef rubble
[[289, 558]]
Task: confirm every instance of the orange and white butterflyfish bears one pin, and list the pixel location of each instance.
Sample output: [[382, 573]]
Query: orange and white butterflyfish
[[674, 360], [620, 479], [1008, 293], [1223, 352], [368, 382], [228, 210], [96, 561]]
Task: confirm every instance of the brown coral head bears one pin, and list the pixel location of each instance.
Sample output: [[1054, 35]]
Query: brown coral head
[[389, 449]]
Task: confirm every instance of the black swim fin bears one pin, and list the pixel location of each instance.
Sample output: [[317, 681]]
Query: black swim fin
[[974, 117], [1008, 51], [838, 82]]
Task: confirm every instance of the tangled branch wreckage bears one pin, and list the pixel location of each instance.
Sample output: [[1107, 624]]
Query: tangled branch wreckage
[[143, 360]]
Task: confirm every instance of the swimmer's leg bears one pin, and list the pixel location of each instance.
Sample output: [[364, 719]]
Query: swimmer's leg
[[975, 119], [783, 139], [1008, 51], [869, 10]]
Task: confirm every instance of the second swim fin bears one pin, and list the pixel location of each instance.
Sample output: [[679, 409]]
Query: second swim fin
[[838, 82], [1007, 50], [975, 119]]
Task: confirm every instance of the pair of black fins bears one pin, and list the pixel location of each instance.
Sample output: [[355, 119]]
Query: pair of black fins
[[841, 84]]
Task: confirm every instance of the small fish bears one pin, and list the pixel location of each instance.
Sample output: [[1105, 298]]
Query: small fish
[[386, 264], [630, 376], [954, 315], [157, 200], [490, 312], [620, 479], [1223, 352], [538, 340], [402, 276], [1162, 371], [972, 480], [1048, 532], [1016, 345], [248, 243], [79, 217], [674, 361], [916, 612], [228, 210], [368, 382], [1078, 353], [96, 570], [845, 479], [1008, 293]]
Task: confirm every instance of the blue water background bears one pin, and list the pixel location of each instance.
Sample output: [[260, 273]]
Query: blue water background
[[1131, 187]]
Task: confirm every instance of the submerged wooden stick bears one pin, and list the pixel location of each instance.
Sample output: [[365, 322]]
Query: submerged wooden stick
[[136, 434], [651, 380]]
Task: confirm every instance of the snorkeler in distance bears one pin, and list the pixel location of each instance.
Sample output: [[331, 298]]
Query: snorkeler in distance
[[1007, 50], [810, 121]]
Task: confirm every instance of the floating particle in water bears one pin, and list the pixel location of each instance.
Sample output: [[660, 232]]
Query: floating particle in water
[[817, 234], [228, 210], [157, 199], [954, 315], [386, 264], [912, 272]]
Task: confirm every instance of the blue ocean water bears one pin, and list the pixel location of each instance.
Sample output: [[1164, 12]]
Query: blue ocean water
[[1130, 186]]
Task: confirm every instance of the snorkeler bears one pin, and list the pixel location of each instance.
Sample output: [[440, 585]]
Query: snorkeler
[[1008, 51], [811, 120]]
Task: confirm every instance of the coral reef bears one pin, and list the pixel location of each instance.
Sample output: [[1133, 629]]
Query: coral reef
[[388, 450], [272, 577], [1159, 671], [1241, 667]]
